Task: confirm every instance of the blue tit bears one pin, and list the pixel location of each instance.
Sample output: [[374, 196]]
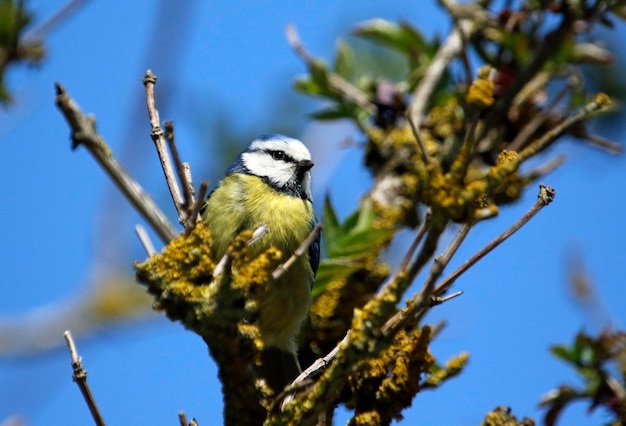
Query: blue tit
[[270, 184]]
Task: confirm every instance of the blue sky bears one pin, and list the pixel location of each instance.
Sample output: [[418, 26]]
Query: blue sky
[[62, 223]]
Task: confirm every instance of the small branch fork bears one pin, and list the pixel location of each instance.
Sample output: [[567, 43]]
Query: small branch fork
[[158, 138], [300, 251], [83, 132], [432, 295], [546, 196], [182, 420], [80, 377], [419, 304], [187, 206]]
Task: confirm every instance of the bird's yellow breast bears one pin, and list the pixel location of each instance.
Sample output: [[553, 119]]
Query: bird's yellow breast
[[246, 202]]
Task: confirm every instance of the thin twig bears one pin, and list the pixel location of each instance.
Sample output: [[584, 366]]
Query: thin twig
[[223, 264], [600, 102], [435, 301], [458, 169], [449, 50], [342, 86], [59, 17], [419, 304], [182, 419], [403, 268], [79, 376], [226, 260], [146, 242], [522, 137], [317, 365], [546, 196], [604, 144], [422, 299], [545, 168], [83, 132], [426, 158], [194, 211], [259, 233], [182, 169], [158, 138], [300, 251], [426, 252]]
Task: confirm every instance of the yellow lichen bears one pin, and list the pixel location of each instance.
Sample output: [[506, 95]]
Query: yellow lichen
[[182, 281], [367, 418], [603, 100], [502, 416], [480, 93], [383, 385], [446, 120], [452, 368]]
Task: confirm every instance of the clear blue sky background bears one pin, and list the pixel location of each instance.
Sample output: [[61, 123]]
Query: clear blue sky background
[[235, 63]]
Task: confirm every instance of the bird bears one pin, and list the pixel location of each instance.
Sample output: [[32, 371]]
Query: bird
[[269, 183]]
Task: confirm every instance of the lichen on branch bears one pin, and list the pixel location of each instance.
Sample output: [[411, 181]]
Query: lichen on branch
[[183, 285]]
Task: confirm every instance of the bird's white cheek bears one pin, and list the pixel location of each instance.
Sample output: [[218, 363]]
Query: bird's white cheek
[[282, 175]]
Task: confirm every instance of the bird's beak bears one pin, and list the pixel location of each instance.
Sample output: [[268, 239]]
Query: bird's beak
[[305, 165]]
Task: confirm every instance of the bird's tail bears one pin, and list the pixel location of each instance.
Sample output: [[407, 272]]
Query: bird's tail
[[278, 368]]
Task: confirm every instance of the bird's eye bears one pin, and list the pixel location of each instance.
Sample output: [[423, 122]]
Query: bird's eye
[[277, 155]]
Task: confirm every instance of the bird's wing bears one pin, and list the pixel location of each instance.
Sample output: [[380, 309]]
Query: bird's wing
[[314, 251]]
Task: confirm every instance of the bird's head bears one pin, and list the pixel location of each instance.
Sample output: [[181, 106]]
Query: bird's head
[[283, 163]]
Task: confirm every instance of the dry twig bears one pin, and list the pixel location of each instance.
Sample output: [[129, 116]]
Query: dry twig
[[450, 49], [83, 132], [143, 236], [300, 251], [182, 169], [79, 376], [420, 302], [546, 196], [194, 210], [426, 158], [423, 298], [158, 138]]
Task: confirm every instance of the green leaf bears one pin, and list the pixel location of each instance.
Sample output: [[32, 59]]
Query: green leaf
[[329, 222], [355, 237], [330, 270], [564, 353], [348, 245], [319, 74], [401, 37], [344, 61], [316, 83], [338, 111], [307, 86], [331, 114]]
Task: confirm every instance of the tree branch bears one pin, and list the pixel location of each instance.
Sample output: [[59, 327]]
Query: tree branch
[[83, 132], [158, 138], [300, 251], [79, 376], [450, 49], [342, 86]]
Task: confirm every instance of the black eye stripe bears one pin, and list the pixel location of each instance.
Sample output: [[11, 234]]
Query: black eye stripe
[[280, 156]]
